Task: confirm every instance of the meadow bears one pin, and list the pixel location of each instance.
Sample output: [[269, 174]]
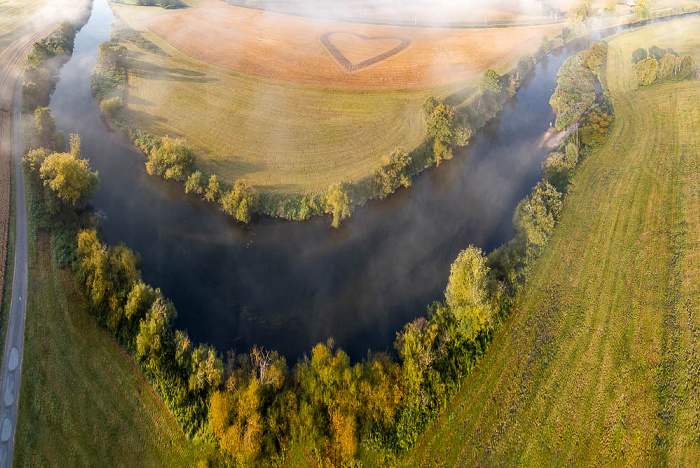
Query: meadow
[[84, 400], [258, 96], [598, 365]]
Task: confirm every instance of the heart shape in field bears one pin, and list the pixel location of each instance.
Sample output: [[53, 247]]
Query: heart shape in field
[[341, 58]]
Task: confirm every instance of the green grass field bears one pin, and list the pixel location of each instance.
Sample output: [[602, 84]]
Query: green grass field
[[279, 136], [84, 401], [599, 365]]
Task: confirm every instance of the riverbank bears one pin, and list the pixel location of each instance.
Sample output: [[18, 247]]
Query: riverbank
[[592, 366]]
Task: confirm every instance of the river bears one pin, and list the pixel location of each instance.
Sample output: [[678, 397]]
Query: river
[[289, 285]]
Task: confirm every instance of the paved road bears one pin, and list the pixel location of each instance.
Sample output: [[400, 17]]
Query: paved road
[[14, 342]]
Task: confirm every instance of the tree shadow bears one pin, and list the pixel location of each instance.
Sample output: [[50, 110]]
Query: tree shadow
[[460, 96], [152, 71]]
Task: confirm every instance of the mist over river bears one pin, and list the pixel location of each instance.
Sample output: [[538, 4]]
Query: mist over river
[[289, 285]]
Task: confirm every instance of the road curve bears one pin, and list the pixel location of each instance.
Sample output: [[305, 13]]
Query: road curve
[[11, 373]]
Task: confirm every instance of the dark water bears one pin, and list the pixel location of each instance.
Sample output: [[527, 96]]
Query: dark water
[[288, 285]]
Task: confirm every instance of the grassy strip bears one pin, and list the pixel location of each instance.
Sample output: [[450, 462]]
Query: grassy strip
[[598, 364], [84, 401]]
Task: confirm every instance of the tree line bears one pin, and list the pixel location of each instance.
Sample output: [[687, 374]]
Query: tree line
[[42, 64], [167, 4], [659, 65], [576, 84]]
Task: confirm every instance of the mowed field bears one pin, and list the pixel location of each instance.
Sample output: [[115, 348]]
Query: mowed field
[[17, 15], [600, 365], [262, 96], [84, 402]]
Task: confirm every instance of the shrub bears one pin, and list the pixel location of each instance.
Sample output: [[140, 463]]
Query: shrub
[[393, 175], [196, 183], [241, 201], [112, 106], [338, 203], [172, 159], [212, 192]]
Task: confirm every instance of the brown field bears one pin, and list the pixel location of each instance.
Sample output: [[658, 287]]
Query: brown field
[[289, 48]]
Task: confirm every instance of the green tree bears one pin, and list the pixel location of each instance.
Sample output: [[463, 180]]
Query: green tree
[[112, 106], [207, 371], [535, 216], [556, 171], [31, 164], [92, 266], [430, 104], [669, 66], [490, 82], [241, 201], [441, 130], [69, 178], [172, 159], [595, 57], [338, 202], [466, 292], [394, 175], [687, 70], [196, 183], [571, 155], [646, 71], [32, 96], [155, 333], [582, 11], [213, 190], [44, 128]]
